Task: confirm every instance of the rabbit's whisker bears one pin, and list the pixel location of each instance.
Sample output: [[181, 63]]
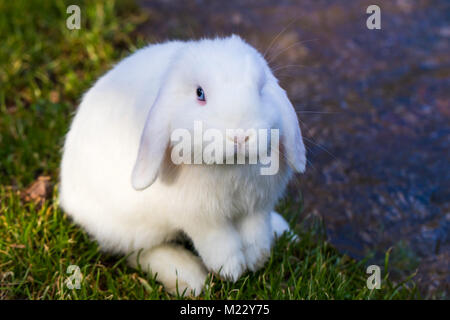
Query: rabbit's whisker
[[313, 107], [289, 66], [279, 35], [321, 147], [303, 125], [289, 47], [314, 112]]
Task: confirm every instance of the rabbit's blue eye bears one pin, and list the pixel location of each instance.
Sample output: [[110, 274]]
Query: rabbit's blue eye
[[200, 94]]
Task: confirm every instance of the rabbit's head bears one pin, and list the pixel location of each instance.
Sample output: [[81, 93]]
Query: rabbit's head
[[224, 85]]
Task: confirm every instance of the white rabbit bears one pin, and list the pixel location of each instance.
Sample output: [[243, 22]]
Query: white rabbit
[[119, 183]]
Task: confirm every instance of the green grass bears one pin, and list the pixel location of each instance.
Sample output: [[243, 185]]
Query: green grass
[[44, 69]]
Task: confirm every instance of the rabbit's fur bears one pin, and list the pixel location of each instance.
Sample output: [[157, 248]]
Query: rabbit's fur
[[119, 183]]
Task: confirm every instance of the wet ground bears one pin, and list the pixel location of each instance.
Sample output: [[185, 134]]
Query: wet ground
[[374, 106]]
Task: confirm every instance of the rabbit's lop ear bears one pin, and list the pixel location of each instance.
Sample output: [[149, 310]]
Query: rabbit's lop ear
[[152, 147], [291, 135]]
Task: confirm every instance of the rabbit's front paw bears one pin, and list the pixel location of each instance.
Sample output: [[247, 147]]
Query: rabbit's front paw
[[257, 240], [232, 267], [227, 262], [257, 251], [220, 249]]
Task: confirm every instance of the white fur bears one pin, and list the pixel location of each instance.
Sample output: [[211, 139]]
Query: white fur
[[118, 182]]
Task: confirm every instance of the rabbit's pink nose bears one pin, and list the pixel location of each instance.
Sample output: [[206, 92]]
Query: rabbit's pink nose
[[239, 139]]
